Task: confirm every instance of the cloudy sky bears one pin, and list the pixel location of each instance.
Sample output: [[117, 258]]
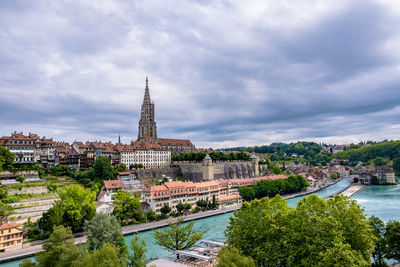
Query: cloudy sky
[[222, 73]]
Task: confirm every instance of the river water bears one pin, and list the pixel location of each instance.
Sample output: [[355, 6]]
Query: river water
[[381, 201]]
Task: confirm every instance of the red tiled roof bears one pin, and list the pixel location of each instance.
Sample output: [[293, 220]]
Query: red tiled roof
[[138, 145], [230, 197], [114, 184], [9, 225], [208, 186], [175, 142]]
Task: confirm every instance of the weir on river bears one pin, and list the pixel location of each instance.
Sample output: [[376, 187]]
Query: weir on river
[[381, 201]]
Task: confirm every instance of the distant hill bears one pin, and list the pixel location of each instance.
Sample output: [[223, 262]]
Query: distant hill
[[390, 149]]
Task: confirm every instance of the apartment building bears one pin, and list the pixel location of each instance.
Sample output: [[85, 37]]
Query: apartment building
[[150, 154], [172, 193], [11, 236], [47, 151], [23, 147]]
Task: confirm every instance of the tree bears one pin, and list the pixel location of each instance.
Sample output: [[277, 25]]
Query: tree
[[178, 236], [341, 255], [127, 207], [76, 205], [187, 207], [3, 193], [51, 218], [20, 179], [6, 158], [179, 207], [396, 165], [102, 168], [165, 209], [202, 204], [108, 255], [121, 167], [59, 250], [392, 237], [379, 161], [231, 257], [214, 203], [103, 229], [274, 234], [379, 249], [5, 212], [138, 256]]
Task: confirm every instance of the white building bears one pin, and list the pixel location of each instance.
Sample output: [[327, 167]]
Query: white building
[[23, 147], [150, 154]]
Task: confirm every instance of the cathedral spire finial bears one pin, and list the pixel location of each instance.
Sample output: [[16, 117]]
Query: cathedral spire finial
[[147, 82]]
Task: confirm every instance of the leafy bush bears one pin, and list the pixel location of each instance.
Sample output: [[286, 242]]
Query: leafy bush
[[20, 179]]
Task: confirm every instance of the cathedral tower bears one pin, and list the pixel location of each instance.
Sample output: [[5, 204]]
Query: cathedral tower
[[147, 123]]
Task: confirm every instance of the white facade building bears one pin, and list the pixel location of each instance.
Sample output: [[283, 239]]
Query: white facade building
[[150, 154]]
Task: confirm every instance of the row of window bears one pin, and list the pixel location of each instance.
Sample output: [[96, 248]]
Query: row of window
[[21, 142], [7, 237], [11, 243], [24, 159], [20, 148]]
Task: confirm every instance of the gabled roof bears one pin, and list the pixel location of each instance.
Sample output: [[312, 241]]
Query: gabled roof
[[9, 225], [114, 184], [175, 142], [139, 145]]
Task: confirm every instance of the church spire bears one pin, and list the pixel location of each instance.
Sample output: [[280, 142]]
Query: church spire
[[146, 99], [147, 123]]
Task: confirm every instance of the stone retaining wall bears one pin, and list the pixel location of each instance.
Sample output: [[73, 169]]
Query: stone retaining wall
[[6, 174], [29, 190]]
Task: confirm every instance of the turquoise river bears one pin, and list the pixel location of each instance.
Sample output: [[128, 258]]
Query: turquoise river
[[381, 201]]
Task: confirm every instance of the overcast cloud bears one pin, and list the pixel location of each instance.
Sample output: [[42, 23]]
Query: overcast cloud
[[222, 73]]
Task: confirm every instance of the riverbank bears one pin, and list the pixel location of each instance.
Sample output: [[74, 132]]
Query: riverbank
[[136, 228]]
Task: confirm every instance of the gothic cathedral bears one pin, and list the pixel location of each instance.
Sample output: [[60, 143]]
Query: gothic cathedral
[[147, 123]]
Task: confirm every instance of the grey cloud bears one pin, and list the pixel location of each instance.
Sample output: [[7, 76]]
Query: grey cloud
[[217, 78]]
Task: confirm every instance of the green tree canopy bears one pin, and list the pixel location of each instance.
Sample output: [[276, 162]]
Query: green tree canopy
[[59, 250], [103, 229], [138, 256], [5, 212], [108, 255], [392, 237], [127, 207], [76, 205], [6, 158], [396, 165], [378, 226], [274, 234], [165, 209], [178, 236], [102, 168], [247, 193], [231, 257]]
